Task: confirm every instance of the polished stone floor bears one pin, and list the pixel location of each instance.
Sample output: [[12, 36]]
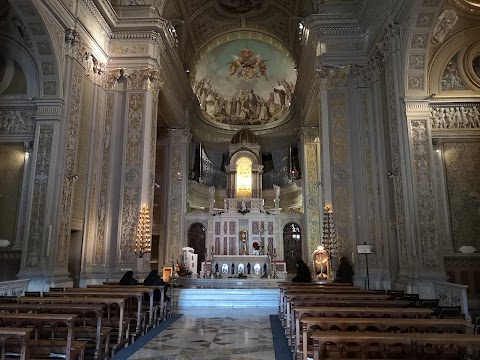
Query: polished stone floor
[[214, 333]]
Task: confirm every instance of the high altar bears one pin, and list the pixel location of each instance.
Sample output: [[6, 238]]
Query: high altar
[[240, 237]]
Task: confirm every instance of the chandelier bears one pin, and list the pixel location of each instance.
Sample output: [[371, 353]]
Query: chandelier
[[329, 235], [143, 238]]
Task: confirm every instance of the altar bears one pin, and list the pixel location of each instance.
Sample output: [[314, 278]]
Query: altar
[[241, 264]]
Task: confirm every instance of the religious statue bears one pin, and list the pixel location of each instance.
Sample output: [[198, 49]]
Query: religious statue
[[243, 239], [445, 22]]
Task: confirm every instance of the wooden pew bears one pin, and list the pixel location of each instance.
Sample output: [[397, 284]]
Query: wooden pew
[[22, 338], [71, 348], [120, 326], [155, 316], [135, 294], [309, 324], [101, 338], [415, 343], [169, 304], [352, 312], [351, 302], [321, 297]]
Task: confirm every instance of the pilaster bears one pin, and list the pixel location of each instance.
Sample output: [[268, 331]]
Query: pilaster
[[177, 191], [310, 142]]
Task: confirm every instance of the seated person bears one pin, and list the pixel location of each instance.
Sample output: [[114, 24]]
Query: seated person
[[154, 279], [303, 272], [128, 279], [344, 271]]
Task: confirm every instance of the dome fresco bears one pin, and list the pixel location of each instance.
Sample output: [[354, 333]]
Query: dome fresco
[[244, 82]]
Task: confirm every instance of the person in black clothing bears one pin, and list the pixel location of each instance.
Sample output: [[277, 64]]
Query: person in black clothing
[[303, 272], [154, 279], [344, 271], [128, 279]]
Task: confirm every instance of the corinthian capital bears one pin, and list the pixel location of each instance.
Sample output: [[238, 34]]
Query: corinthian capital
[[145, 79]]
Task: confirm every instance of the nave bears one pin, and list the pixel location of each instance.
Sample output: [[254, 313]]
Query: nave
[[215, 333]]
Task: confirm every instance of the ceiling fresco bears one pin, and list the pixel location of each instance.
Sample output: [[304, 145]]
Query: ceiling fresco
[[244, 81]]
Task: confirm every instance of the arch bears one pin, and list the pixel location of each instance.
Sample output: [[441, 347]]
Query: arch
[[196, 239], [292, 244], [459, 52], [417, 46], [12, 52], [34, 34]]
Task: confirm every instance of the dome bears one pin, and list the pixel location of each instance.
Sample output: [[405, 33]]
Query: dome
[[244, 135]]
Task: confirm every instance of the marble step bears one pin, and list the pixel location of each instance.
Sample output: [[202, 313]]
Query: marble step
[[226, 297]]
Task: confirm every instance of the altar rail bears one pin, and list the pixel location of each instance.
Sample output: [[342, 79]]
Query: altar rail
[[450, 294], [228, 283], [13, 287]]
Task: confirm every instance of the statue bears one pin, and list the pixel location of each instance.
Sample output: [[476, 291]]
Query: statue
[[277, 191]]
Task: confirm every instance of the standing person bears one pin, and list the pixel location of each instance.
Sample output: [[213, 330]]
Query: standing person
[[344, 271], [303, 272], [128, 279]]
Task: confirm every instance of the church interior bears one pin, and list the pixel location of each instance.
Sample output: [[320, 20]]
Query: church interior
[[221, 139]]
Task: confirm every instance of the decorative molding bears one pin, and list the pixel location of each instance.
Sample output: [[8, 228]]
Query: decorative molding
[[426, 215], [70, 166], [392, 124], [17, 120], [99, 251], [39, 197]]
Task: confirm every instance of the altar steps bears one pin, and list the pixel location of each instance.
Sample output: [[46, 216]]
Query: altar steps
[[236, 298]]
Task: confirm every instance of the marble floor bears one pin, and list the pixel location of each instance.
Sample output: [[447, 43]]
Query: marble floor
[[214, 333]]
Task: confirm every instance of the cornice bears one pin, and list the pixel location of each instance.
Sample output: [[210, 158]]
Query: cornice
[[354, 30], [97, 15], [106, 9]]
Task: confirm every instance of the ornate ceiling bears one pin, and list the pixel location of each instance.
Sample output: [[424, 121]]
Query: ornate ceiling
[[197, 22]]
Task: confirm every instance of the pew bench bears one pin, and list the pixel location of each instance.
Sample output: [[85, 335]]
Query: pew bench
[[15, 336], [54, 342], [134, 295], [337, 344], [98, 335], [350, 312], [310, 324], [114, 316]]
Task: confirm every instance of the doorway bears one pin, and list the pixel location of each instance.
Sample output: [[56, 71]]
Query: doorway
[[196, 240], [292, 245]]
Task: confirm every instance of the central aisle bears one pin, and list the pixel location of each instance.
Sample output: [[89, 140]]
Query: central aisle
[[214, 333]]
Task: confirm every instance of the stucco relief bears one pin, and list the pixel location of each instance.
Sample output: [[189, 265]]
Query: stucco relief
[[342, 214], [102, 205], [426, 214], [134, 134], [17, 120], [128, 49], [66, 202], [392, 125], [37, 216], [458, 117], [339, 128], [174, 233], [130, 208], [153, 144]]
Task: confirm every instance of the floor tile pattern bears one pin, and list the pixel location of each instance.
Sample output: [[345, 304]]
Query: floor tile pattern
[[211, 333]]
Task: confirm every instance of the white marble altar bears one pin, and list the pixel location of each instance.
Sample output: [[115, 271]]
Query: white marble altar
[[258, 264]]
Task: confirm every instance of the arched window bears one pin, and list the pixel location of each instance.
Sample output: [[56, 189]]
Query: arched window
[[292, 245], [196, 240], [244, 178]]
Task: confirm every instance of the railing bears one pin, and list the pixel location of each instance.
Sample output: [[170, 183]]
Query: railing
[[13, 287], [450, 294]]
